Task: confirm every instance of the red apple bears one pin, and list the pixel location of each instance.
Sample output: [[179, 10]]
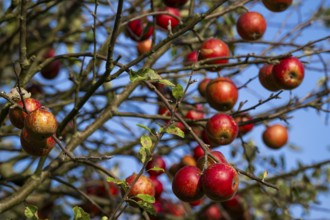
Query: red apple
[[36, 147], [217, 154], [214, 48], [275, 136], [221, 129], [244, 129], [51, 70], [158, 186], [221, 94], [186, 184], [175, 3], [191, 58], [142, 186], [198, 152], [266, 78], [144, 46], [234, 205], [156, 162], [220, 182], [17, 115], [251, 26], [202, 86], [277, 5], [170, 208], [195, 114], [289, 73], [139, 29], [100, 189], [211, 212], [196, 203], [163, 20], [40, 123]]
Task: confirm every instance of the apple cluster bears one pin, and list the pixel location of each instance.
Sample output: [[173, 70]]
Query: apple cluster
[[38, 125]]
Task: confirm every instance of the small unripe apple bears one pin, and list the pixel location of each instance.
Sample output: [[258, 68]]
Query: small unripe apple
[[217, 154], [17, 115], [175, 3], [158, 186], [211, 212], [144, 46], [244, 129], [139, 29], [251, 26], [142, 186], [40, 123], [220, 182], [156, 162], [191, 58], [163, 20], [202, 86], [267, 79], [186, 184], [289, 73], [221, 129], [277, 5], [36, 147], [51, 70], [214, 48], [221, 94], [275, 136]]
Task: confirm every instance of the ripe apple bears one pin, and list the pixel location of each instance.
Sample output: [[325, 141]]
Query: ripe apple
[[187, 160], [221, 129], [221, 94], [102, 189], [277, 5], [163, 20], [17, 115], [195, 114], [251, 25], [211, 212], [217, 154], [198, 152], [244, 129], [288, 73], [142, 186], [139, 29], [36, 147], [186, 184], [275, 136], [40, 123], [202, 86], [196, 203], [267, 79], [169, 207], [220, 182], [164, 111], [156, 162], [191, 58], [214, 48], [144, 46], [51, 70], [234, 205], [175, 3], [158, 186]]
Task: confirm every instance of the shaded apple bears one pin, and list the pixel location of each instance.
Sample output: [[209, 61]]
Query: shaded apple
[[266, 78], [51, 70], [191, 58], [202, 86], [277, 5], [211, 212], [158, 186], [198, 152]]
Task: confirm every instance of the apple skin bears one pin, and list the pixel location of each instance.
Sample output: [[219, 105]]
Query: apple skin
[[210, 160], [211, 212], [277, 5], [186, 184], [142, 186], [267, 79], [144, 46], [187, 160], [139, 29], [195, 114], [251, 26], [202, 86], [289, 73], [51, 70], [158, 186], [40, 123], [191, 58], [163, 20], [156, 161], [221, 129], [275, 136], [220, 182], [198, 152], [175, 3], [244, 129], [214, 48], [36, 147], [221, 94], [17, 115]]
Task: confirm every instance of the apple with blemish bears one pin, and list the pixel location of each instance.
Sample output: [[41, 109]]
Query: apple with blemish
[[36, 147]]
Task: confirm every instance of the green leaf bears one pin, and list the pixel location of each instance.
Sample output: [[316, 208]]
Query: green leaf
[[144, 127], [172, 129], [104, 218], [31, 212], [166, 82], [145, 150], [144, 74], [117, 182], [157, 169], [147, 207], [177, 91], [80, 214], [146, 198]]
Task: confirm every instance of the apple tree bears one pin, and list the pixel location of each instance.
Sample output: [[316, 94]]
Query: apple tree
[[164, 109]]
